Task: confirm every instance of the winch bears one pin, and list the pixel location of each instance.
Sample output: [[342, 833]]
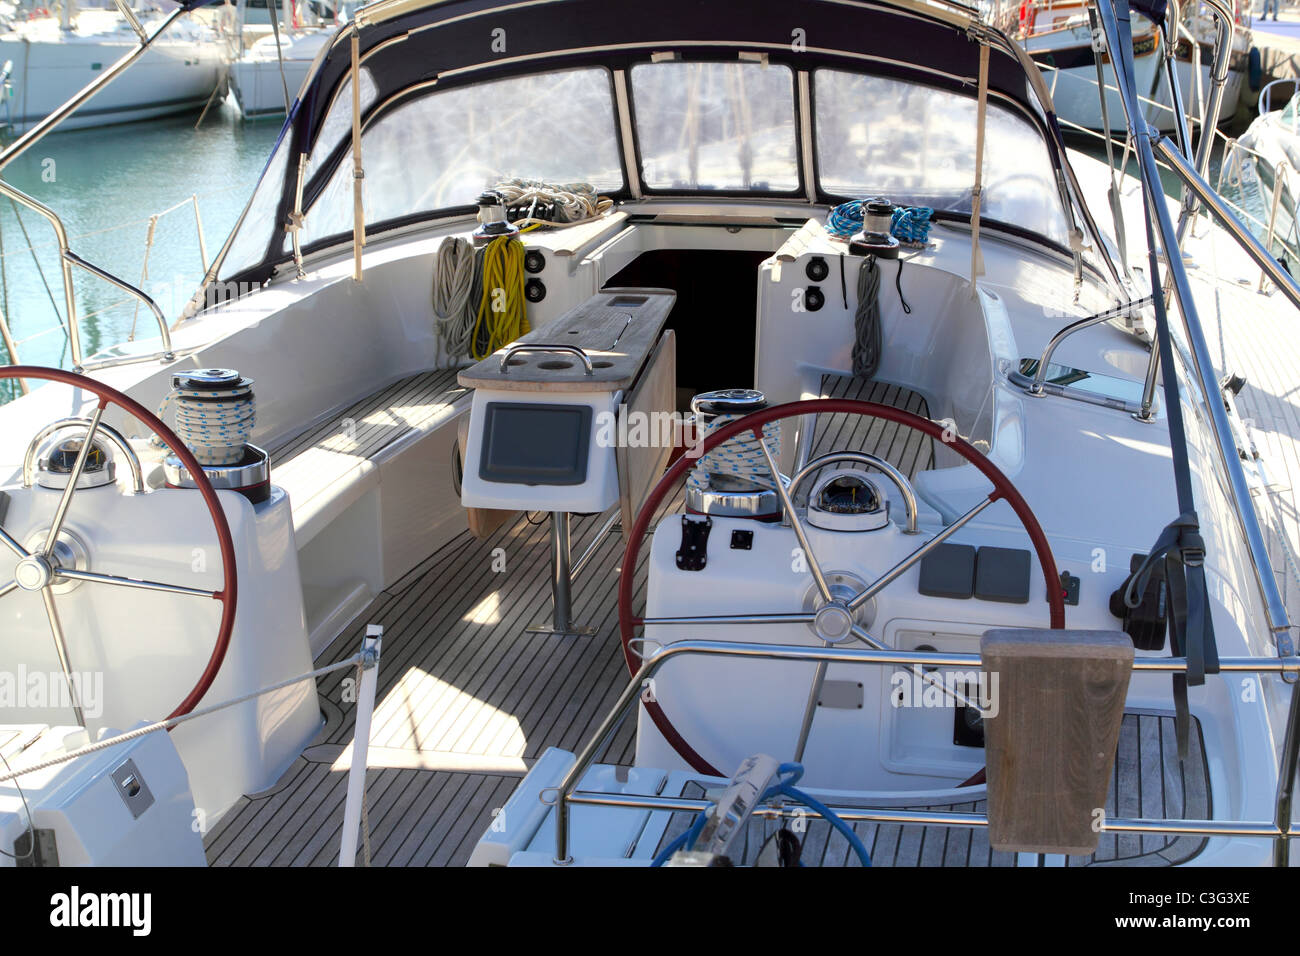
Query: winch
[[734, 479], [215, 414], [875, 239], [493, 219]]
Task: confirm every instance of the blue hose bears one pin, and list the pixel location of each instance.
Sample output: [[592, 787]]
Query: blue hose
[[792, 772]]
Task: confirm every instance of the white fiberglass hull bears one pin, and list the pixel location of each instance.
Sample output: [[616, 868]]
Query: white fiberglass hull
[[171, 77], [258, 88], [256, 79], [1069, 67]]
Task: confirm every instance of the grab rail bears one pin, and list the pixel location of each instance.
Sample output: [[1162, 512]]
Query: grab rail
[[66, 257], [1279, 829], [562, 349]]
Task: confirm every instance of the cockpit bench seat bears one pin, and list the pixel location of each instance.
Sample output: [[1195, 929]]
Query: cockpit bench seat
[[371, 491], [332, 463]]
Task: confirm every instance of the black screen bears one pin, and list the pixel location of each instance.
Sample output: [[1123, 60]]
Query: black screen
[[529, 444]]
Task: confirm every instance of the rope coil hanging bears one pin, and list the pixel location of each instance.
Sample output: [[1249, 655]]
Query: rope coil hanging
[[454, 305], [502, 310]]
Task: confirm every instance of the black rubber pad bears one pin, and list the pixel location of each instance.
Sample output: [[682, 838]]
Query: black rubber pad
[[1002, 574], [948, 571]]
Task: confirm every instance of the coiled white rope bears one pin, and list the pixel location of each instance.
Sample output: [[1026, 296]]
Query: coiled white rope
[[453, 301], [574, 202], [738, 457], [215, 424]]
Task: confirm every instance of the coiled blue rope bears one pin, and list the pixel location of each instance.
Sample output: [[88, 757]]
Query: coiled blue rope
[[792, 772], [909, 223]]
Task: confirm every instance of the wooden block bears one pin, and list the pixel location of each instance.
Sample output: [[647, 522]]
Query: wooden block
[[640, 466], [1059, 697]]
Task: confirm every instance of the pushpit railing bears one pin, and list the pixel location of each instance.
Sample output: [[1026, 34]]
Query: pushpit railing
[[67, 258], [567, 795]]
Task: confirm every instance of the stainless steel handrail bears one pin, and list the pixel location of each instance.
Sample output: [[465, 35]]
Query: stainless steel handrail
[[1280, 829], [862, 458], [1278, 170], [929, 818], [565, 349], [67, 257], [1124, 308], [1223, 214], [1265, 102]]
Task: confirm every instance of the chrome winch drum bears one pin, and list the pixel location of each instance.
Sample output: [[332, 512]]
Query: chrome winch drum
[[250, 476], [716, 493]]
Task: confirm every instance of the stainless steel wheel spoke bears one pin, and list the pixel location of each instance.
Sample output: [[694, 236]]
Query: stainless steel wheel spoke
[[77, 468], [132, 582], [784, 494], [799, 618], [11, 586], [810, 710], [11, 544], [61, 646], [898, 570]]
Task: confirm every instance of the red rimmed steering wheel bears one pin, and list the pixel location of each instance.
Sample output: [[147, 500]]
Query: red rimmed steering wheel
[[833, 606], [36, 571]]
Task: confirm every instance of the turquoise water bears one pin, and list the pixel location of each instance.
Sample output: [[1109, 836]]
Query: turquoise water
[[105, 184]]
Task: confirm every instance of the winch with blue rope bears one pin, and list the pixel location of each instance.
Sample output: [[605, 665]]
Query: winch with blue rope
[[876, 229]]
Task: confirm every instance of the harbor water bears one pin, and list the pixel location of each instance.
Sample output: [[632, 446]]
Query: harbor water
[[106, 183]]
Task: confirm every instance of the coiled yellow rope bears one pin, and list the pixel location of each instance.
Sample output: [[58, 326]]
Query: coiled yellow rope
[[502, 310]]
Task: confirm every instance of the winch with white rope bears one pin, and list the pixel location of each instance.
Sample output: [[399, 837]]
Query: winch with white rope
[[214, 413], [733, 479], [481, 289]]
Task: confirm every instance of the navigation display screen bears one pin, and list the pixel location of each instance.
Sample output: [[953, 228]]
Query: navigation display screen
[[535, 444]]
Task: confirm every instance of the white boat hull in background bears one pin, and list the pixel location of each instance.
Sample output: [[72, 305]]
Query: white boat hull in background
[[1074, 88], [172, 77], [255, 77], [258, 88]]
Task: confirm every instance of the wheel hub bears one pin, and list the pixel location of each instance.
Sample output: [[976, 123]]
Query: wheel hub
[[833, 622], [33, 572], [69, 552]]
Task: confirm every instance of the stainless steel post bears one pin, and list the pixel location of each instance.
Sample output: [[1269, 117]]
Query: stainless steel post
[[561, 583]]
